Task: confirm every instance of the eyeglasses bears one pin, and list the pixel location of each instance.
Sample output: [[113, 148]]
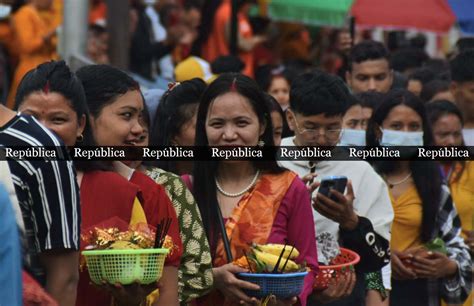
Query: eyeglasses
[[329, 134]]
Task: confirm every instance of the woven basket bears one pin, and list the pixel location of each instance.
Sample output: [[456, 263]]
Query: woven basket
[[144, 266], [341, 265], [283, 286]]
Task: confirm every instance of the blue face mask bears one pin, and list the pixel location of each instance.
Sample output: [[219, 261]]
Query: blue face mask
[[351, 137], [399, 138]]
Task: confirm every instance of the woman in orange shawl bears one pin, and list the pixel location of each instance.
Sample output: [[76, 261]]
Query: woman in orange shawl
[[259, 202], [34, 33]]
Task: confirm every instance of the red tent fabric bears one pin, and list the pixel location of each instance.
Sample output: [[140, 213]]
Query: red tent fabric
[[430, 15]]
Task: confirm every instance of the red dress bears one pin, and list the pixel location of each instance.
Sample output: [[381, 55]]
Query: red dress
[[107, 194], [103, 195]]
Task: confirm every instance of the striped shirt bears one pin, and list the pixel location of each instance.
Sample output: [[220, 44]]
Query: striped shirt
[[453, 290], [47, 192]]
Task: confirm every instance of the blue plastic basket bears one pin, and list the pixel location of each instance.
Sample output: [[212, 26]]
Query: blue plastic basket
[[283, 286]]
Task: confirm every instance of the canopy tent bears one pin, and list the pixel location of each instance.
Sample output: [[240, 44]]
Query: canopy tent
[[428, 15], [312, 12], [464, 11]]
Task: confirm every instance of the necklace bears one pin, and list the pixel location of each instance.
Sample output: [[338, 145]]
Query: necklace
[[238, 194], [391, 185]]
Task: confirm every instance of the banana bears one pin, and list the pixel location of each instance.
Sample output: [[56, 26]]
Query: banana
[[270, 261], [276, 249]]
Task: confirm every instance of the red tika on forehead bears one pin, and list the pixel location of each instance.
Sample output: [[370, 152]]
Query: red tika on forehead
[[46, 87], [233, 86]]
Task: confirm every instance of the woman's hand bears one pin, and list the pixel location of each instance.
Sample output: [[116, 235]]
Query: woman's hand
[[227, 283], [469, 240], [399, 270], [130, 295], [436, 265]]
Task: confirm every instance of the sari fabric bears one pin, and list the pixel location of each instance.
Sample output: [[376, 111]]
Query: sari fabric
[[276, 210], [252, 219]]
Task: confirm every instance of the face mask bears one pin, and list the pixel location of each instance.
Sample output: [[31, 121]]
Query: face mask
[[5, 11], [398, 138], [351, 137]]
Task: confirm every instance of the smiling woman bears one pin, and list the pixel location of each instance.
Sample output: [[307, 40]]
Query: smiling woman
[[259, 202], [116, 107]]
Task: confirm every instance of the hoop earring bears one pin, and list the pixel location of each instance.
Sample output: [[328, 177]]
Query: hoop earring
[[80, 138]]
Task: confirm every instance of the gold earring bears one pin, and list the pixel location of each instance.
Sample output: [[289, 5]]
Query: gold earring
[[80, 138], [261, 143]]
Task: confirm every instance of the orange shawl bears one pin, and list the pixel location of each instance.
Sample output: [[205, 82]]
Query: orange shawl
[[251, 221]]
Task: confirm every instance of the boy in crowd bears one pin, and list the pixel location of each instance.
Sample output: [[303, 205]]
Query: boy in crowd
[[360, 219], [369, 68], [462, 87]]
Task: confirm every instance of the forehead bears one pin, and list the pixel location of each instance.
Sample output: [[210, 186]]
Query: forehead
[[320, 119], [403, 113], [448, 120], [130, 99], [377, 66], [279, 81], [231, 104], [46, 102]]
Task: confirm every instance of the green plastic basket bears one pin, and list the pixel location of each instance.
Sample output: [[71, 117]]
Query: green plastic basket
[[125, 266]]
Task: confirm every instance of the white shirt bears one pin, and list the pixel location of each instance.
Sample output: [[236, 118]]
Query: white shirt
[[468, 135], [372, 199]]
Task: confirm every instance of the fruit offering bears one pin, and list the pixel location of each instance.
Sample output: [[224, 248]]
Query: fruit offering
[[271, 258], [139, 236]]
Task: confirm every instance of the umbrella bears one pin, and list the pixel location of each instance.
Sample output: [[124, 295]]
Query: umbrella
[[464, 11], [428, 15], [312, 12]]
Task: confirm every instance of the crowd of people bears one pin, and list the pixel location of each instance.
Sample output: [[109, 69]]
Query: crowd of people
[[275, 92]]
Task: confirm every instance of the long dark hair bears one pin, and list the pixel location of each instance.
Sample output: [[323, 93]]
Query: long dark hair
[[103, 84], [204, 172], [426, 174], [177, 106], [438, 109]]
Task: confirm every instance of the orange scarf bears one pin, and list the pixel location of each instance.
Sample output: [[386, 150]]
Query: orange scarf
[[251, 221]]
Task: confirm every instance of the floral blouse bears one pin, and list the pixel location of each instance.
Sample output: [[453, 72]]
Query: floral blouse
[[195, 270]]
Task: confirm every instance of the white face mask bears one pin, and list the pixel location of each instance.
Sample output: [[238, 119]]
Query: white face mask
[[399, 138], [351, 137]]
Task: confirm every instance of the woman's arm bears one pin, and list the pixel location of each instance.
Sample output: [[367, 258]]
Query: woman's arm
[[168, 287], [62, 275]]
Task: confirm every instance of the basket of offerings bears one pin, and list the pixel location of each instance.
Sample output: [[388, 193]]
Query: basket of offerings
[[272, 268], [136, 254]]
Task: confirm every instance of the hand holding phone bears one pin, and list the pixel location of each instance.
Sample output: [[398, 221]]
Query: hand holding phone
[[332, 182], [337, 206]]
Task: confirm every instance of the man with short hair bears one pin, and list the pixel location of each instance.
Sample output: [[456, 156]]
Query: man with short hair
[[462, 87], [48, 196], [360, 219], [369, 68]]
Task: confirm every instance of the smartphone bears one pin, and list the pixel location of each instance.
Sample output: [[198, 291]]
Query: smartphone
[[329, 183]]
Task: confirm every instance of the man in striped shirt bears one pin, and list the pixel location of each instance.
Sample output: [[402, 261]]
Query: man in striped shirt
[[48, 195]]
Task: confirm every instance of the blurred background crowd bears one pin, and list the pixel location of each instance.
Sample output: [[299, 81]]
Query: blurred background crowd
[[175, 40]]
